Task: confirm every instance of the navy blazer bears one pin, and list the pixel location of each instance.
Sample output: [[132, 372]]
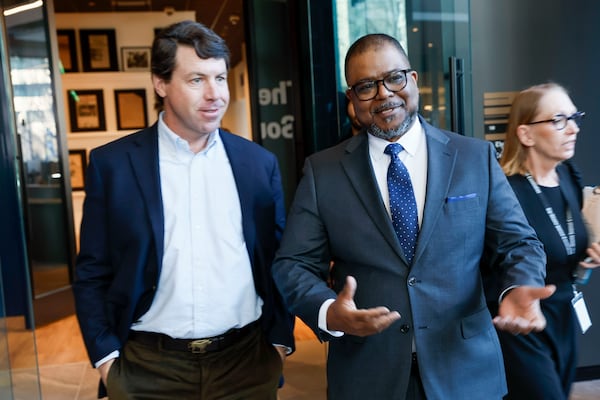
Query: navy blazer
[[122, 231], [338, 214]]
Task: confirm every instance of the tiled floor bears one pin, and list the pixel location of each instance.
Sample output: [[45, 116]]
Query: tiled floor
[[74, 379], [304, 372]]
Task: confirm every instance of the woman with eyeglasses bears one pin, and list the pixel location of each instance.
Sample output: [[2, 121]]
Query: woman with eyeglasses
[[540, 139]]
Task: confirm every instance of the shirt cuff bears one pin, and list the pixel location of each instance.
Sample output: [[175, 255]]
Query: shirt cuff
[[114, 354], [323, 319], [506, 291], [288, 350]]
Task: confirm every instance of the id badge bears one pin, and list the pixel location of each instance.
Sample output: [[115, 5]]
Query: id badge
[[581, 311]]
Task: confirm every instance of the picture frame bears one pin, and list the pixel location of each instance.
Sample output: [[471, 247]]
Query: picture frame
[[77, 167], [98, 50], [135, 58], [67, 49], [86, 110], [131, 109]]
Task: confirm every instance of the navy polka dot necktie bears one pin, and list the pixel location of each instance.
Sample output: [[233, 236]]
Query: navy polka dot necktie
[[403, 205]]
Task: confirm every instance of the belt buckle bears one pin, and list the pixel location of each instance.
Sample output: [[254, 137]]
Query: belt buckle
[[199, 346]]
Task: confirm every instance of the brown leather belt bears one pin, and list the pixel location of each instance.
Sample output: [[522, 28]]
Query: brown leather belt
[[196, 346]]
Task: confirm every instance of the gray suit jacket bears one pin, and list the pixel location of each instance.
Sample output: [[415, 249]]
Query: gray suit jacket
[[338, 215]]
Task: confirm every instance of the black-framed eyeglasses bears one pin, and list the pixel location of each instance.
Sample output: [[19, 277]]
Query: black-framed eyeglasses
[[560, 120], [395, 81]]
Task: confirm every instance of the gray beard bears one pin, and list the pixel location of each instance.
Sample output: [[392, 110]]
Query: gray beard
[[393, 133]]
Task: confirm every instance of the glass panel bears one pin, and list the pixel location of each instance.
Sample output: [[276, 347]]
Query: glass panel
[[37, 131], [33, 184], [356, 18], [434, 33], [19, 375]]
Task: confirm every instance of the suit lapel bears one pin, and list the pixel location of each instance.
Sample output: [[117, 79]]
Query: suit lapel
[[144, 162], [358, 168], [441, 156], [243, 174]]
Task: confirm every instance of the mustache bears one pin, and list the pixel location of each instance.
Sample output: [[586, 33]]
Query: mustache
[[390, 104]]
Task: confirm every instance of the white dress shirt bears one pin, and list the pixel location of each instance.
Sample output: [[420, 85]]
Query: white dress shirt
[[206, 285]]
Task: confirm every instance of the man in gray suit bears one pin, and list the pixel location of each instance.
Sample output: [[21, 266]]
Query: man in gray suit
[[407, 326]]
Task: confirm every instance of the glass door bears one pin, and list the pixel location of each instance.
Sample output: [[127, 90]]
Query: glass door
[[49, 229], [19, 377]]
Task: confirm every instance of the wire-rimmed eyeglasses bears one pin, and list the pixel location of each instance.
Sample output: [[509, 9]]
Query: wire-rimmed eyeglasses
[[560, 120], [395, 81]]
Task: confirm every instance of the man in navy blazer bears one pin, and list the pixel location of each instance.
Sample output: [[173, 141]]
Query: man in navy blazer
[[181, 221], [400, 329]]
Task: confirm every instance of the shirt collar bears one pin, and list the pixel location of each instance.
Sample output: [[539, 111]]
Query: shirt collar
[[409, 141], [175, 143]]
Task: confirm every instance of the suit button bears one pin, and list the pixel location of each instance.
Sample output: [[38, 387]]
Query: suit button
[[412, 281], [404, 328]]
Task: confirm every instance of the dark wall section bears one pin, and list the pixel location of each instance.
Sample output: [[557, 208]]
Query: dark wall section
[[273, 70], [322, 104], [517, 43], [291, 63]]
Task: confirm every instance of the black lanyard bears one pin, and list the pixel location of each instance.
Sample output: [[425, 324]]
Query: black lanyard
[[568, 241]]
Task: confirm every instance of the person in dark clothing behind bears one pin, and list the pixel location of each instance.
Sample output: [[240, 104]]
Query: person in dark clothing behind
[[540, 139]]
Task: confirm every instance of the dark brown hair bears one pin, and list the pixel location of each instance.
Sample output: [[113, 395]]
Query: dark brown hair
[[203, 40]]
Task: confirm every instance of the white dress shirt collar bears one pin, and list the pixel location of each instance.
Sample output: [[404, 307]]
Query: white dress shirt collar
[[170, 141], [410, 141]]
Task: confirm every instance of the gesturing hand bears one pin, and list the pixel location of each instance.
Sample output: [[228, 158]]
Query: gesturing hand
[[520, 311], [343, 315]]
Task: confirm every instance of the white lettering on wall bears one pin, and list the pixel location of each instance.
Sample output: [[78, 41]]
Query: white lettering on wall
[[276, 96], [284, 128], [275, 130]]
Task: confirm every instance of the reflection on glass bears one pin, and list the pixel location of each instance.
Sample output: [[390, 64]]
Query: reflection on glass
[[354, 19], [43, 192], [36, 125], [33, 104]]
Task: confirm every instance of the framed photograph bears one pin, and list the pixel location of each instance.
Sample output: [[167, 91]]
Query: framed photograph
[[86, 110], [67, 49], [77, 167], [135, 58], [131, 108], [98, 50]]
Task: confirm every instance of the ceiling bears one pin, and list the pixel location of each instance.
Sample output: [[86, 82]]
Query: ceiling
[[224, 17]]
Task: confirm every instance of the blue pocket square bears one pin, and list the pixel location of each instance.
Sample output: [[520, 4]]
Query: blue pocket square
[[451, 199]]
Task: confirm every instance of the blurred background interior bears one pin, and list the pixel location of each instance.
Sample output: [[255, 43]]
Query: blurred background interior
[[74, 74]]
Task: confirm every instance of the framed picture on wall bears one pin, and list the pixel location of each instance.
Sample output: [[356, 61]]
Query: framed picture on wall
[[67, 49], [131, 108], [86, 110], [77, 167], [135, 58], [98, 50]]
